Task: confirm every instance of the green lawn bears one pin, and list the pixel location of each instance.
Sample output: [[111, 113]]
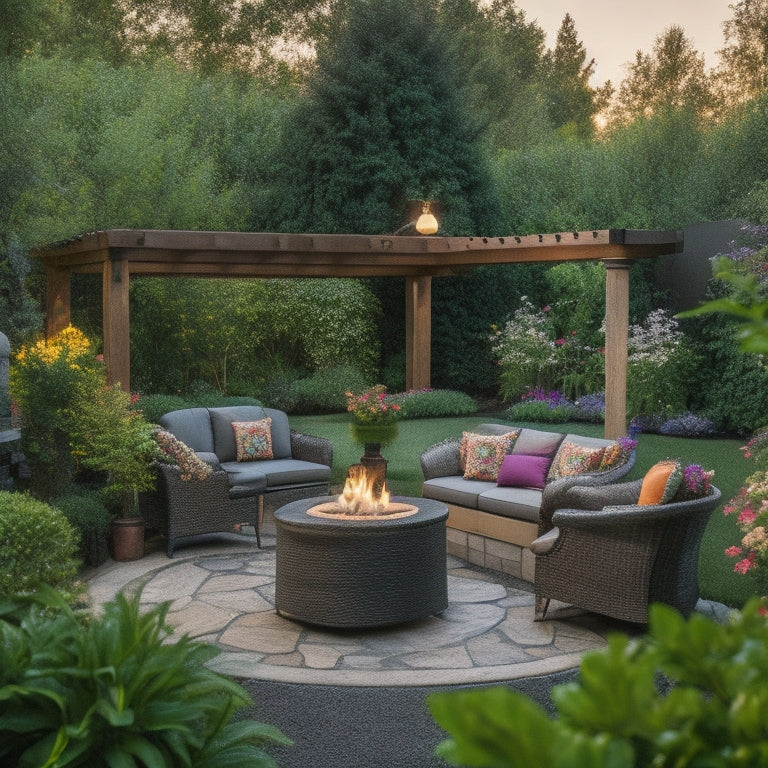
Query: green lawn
[[716, 578]]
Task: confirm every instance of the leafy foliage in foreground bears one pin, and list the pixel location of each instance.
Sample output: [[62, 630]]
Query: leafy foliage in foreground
[[115, 693], [715, 712]]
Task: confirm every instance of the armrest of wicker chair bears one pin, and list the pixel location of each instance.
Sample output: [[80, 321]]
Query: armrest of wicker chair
[[311, 448], [561, 493], [441, 460]]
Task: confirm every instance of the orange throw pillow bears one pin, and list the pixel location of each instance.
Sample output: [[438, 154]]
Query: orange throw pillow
[[660, 483]]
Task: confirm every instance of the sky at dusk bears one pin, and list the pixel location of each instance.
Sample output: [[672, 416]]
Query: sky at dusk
[[612, 30]]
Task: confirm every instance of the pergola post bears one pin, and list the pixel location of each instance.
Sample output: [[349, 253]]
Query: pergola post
[[58, 293], [616, 337], [418, 332], [116, 309]]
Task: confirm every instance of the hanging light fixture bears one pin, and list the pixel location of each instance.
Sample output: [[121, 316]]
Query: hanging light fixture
[[426, 223]]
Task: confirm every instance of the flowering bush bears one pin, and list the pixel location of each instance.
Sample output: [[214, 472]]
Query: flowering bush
[[46, 378], [656, 366], [697, 482], [530, 353], [372, 406], [750, 505], [590, 407], [688, 425], [524, 351]]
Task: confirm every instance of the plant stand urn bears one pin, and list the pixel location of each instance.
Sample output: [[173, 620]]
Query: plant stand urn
[[128, 538]]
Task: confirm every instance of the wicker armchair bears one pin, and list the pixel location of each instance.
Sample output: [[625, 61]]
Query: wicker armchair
[[617, 561], [190, 510]]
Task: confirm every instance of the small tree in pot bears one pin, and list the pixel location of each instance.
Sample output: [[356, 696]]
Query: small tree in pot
[[109, 436]]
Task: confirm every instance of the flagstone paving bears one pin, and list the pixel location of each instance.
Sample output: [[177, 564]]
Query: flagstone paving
[[223, 593]]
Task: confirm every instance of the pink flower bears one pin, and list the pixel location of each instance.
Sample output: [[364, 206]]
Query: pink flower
[[745, 565], [560, 342], [547, 308], [747, 516], [733, 551]]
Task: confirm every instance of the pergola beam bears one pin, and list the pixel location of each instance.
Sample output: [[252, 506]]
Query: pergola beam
[[120, 254]]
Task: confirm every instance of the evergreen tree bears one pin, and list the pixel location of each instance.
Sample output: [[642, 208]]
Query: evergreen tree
[[382, 125], [571, 101]]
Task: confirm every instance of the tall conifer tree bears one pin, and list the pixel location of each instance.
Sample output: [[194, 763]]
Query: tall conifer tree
[[383, 125]]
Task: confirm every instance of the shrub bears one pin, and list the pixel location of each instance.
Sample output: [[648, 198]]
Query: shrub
[[524, 351], [590, 408], [657, 366], [116, 693], [90, 518], [433, 403], [37, 545], [154, 406], [688, 425], [708, 709], [541, 411], [46, 379], [324, 391]]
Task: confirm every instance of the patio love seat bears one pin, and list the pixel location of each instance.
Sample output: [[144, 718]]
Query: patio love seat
[[248, 456], [498, 480]]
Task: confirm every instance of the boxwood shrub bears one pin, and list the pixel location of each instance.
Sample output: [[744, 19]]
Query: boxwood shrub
[[37, 545]]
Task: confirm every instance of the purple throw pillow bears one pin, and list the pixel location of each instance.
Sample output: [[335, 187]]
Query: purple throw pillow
[[524, 471]]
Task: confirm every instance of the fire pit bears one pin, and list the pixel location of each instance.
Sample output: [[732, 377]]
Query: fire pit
[[360, 570]]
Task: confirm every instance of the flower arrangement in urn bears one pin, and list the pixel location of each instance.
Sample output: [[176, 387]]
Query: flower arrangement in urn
[[374, 419]]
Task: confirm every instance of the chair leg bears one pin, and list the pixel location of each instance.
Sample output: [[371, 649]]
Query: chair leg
[[540, 609], [259, 520]]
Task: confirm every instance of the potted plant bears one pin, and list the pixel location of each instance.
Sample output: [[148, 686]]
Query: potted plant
[[112, 437], [373, 425]]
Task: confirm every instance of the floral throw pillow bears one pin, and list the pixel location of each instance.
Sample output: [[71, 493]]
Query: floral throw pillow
[[253, 439], [482, 454], [574, 459], [191, 466]]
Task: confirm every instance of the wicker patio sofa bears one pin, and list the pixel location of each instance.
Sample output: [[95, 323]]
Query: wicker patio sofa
[[609, 555], [235, 491], [492, 524]]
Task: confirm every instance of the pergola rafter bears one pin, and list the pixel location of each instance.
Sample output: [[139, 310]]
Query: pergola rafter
[[120, 254]]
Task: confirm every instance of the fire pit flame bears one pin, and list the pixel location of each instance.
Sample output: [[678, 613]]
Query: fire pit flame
[[359, 496], [365, 495]]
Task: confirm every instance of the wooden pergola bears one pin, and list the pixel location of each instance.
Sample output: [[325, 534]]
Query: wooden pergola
[[120, 254]]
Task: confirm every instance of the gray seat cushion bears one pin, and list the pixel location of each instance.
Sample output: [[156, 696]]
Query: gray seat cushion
[[454, 490], [534, 442], [275, 473], [192, 426], [520, 503]]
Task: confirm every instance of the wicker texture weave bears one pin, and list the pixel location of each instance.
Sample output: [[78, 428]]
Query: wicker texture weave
[[360, 574], [616, 562], [187, 511]]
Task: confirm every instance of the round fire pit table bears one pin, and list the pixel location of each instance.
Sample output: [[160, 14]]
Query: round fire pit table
[[360, 573]]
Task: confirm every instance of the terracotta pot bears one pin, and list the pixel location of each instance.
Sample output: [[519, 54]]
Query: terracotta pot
[[128, 538]]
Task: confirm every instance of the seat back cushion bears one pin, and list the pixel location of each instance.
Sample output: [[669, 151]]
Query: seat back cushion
[[534, 442], [224, 433], [192, 426], [660, 483], [281, 433]]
